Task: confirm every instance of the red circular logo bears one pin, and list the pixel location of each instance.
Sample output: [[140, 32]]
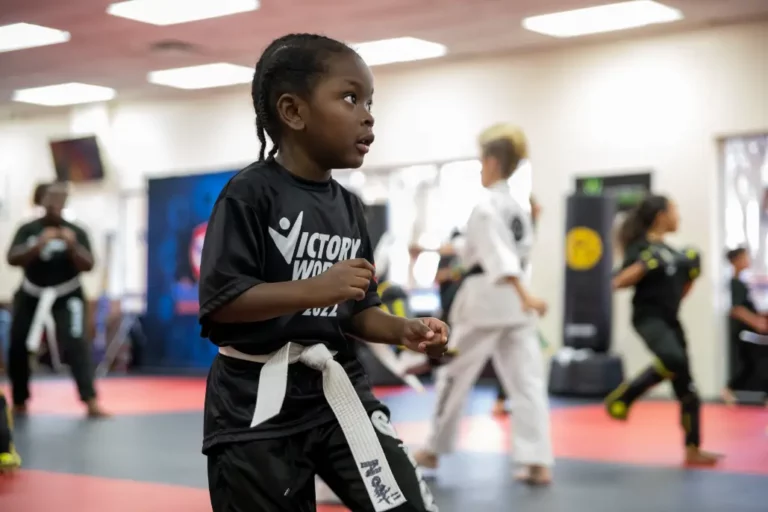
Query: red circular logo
[[196, 248]]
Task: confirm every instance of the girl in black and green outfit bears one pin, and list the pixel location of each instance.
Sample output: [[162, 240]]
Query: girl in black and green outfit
[[662, 277]]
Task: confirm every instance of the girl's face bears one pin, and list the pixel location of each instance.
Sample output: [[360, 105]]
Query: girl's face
[[669, 218]]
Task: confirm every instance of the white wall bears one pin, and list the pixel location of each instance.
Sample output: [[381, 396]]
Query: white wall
[[657, 103]]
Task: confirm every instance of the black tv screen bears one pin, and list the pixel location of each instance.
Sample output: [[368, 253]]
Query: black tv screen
[[77, 160]]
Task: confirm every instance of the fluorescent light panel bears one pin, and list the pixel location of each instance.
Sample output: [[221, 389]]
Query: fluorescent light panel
[[21, 36], [400, 49], [206, 76], [64, 94], [603, 18], [172, 12]]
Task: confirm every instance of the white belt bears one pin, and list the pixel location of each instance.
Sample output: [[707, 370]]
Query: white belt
[[753, 337], [345, 403], [43, 319]]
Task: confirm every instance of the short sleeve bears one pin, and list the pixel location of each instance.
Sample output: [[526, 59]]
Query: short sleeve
[[494, 245], [372, 298], [233, 255], [739, 293], [21, 237], [631, 255], [83, 239]]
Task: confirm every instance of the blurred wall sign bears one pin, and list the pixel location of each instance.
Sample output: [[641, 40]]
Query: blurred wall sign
[[628, 189]]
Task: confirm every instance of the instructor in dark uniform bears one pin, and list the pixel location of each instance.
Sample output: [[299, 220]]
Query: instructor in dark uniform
[[52, 252]]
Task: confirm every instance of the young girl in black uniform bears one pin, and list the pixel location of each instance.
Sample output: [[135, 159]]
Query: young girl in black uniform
[[287, 272], [662, 277]]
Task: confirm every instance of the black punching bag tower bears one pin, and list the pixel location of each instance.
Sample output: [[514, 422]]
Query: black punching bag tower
[[584, 366]]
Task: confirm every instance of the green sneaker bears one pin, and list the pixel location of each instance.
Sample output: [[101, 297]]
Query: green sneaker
[[9, 461]]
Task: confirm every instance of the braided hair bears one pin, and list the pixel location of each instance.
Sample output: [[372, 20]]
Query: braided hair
[[290, 64]]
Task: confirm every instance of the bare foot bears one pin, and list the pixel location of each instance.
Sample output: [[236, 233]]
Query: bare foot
[[426, 459], [694, 456], [95, 411], [728, 397], [499, 408], [534, 475]]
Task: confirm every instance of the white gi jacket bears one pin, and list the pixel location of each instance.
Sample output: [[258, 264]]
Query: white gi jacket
[[499, 238]]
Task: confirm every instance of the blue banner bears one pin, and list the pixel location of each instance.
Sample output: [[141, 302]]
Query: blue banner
[[178, 212]]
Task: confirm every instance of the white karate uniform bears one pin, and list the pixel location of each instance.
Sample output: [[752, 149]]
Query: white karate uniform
[[488, 321]]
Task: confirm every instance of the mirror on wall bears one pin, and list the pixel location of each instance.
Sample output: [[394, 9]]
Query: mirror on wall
[[425, 203], [745, 201]]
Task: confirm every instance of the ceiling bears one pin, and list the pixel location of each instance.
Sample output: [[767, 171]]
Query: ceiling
[[116, 52]]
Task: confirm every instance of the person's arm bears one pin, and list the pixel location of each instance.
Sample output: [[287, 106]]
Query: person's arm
[[739, 310], [638, 260], [629, 276], [79, 248], [23, 250], [687, 287], [753, 320]]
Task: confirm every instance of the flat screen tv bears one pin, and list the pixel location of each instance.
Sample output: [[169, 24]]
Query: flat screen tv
[[77, 160]]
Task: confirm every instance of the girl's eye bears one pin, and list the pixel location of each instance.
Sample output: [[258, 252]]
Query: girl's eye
[[369, 105], [351, 98]]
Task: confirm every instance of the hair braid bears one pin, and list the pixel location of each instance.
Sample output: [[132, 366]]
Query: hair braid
[[290, 64]]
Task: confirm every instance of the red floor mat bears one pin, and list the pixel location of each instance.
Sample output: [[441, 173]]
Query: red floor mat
[[41, 491], [652, 436], [134, 395]]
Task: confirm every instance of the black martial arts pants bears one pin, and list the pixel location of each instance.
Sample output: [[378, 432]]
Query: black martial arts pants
[[69, 316], [6, 425], [278, 475], [666, 340], [751, 357]]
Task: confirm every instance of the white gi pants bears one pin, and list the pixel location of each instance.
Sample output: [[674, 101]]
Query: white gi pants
[[516, 356]]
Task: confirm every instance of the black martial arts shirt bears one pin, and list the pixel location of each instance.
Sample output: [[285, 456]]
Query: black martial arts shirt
[[269, 225], [660, 291], [54, 266], [740, 297]]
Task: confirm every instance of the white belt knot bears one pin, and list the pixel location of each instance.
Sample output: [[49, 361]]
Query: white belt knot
[[316, 357], [346, 406]]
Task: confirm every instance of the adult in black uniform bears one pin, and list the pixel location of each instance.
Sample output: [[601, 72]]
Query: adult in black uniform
[[744, 319], [287, 272], [52, 252], [662, 277]]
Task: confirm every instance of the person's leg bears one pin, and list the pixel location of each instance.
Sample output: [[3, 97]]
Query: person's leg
[[273, 475], [9, 459], [690, 404], [518, 362], [336, 465], [453, 384], [662, 342], [69, 316], [499, 405], [745, 370], [19, 369]]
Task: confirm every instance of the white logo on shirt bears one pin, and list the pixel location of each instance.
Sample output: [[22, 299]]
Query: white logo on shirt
[[286, 244], [53, 247], [313, 253]]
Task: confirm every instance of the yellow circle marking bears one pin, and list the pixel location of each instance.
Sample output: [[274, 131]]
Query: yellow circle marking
[[583, 248]]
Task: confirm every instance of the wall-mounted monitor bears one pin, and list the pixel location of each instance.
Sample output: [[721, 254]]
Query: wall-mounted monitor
[[77, 160]]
